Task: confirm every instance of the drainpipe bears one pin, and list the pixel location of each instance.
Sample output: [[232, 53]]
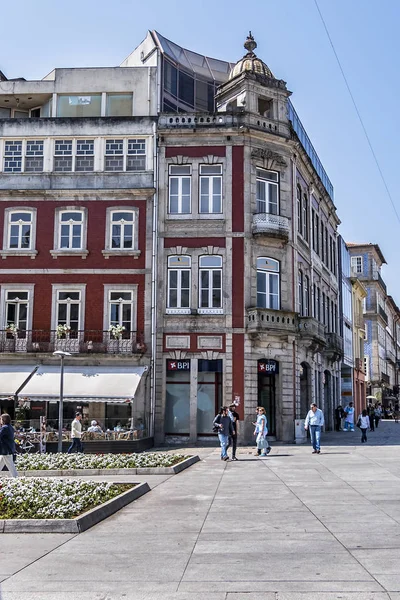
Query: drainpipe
[[294, 279], [154, 264]]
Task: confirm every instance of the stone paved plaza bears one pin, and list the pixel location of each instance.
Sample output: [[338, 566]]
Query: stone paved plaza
[[294, 526]]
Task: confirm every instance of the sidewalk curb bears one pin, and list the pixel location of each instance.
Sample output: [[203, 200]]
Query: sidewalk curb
[[174, 470], [78, 524]]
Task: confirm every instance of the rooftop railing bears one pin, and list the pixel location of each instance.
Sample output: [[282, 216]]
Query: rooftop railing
[[309, 148]]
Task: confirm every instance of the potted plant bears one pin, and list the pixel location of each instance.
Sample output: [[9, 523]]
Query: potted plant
[[62, 331], [116, 331]]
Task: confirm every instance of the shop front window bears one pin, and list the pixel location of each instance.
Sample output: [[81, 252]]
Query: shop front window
[[177, 404], [209, 393]]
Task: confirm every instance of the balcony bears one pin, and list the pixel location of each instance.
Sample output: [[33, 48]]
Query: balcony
[[382, 314], [312, 333], [391, 357], [377, 277], [271, 225], [261, 320], [334, 347], [75, 342]]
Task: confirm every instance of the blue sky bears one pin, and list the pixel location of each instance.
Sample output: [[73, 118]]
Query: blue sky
[[38, 36]]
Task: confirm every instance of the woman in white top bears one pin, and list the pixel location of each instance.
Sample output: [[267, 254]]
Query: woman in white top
[[262, 432], [363, 419]]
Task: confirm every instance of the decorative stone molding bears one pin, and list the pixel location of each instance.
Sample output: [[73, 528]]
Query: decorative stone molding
[[210, 355], [180, 160], [177, 251], [177, 355], [177, 341], [211, 160], [209, 341], [210, 250], [271, 159]]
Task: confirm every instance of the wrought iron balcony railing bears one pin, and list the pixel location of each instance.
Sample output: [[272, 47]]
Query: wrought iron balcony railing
[[89, 341], [268, 224]]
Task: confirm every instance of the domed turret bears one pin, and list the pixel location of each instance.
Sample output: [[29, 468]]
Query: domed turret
[[250, 63]]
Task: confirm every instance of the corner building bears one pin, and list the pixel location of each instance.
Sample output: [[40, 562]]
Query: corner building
[[247, 300]]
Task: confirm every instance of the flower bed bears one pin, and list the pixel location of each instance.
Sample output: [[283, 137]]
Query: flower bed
[[34, 498], [61, 462]]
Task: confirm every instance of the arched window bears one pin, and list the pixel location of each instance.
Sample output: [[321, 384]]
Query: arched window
[[268, 284]]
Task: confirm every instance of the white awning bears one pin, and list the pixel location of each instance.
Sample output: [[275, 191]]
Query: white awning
[[82, 384], [12, 377]]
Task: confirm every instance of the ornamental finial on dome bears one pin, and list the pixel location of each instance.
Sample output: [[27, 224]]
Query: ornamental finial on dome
[[250, 44]]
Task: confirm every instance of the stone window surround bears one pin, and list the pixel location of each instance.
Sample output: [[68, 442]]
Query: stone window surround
[[194, 254], [57, 250], [195, 163], [6, 251], [68, 287], [16, 287], [108, 250], [114, 287]]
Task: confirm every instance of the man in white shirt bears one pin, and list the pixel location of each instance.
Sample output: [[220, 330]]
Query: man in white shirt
[[76, 434], [315, 421]]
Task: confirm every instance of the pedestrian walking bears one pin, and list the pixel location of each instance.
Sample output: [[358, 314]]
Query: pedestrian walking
[[363, 424], [224, 427], [396, 412], [349, 419], [261, 432], [235, 424], [314, 422], [256, 430], [377, 415], [76, 434], [7, 445], [371, 414], [339, 414]]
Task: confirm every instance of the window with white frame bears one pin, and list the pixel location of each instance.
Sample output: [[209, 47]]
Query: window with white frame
[[210, 189], [23, 156], [122, 230], [306, 296], [268, 283], [16, 309], [180, 189], [267, 191], [120, 311], [19, 229], [70, 231], [68, 309], [125, 154], [210, 284], [179, 275], [305, 217], [357, 264], [74, 155]]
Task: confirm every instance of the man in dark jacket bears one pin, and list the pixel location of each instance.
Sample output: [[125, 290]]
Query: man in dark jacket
[[224, 427], [7, 445]]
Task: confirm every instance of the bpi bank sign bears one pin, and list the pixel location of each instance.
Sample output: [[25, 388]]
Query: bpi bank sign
[[268, 366], [178, 365]]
